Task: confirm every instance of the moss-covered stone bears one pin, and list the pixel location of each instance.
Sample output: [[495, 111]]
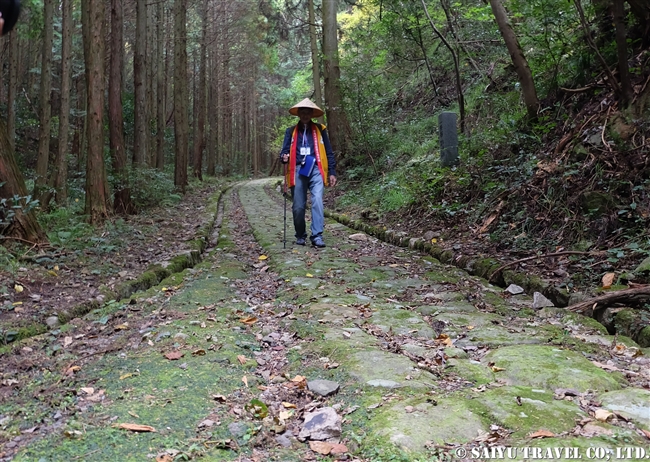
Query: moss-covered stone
[[547, 368]]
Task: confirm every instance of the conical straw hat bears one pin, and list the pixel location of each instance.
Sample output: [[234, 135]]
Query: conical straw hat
[[306, 103]]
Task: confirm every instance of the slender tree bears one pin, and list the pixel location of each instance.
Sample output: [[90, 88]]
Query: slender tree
[[315, 57], [199, 117], [140, 76], [336, 118], [160, 82], [181, 124], [42, 161], [518, 58], [96, 185], [618, 12], [60, 174], [122, 202]]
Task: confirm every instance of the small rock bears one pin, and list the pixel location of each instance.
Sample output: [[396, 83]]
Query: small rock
[[321, 425], [237, 429], [644, 266], [163, 335], [514, 289], [181, 336], [358, 237], [53, 322], [382, 383], [539, 301], [283, 441], [11, 445], [323, 387], [278, 379], [207, 423], [183, 366]]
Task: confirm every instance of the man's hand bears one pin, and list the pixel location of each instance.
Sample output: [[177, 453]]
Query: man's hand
[[332, 180], [285, 158]]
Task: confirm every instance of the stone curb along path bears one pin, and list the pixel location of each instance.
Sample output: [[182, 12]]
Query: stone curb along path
[[359, 351], [456, 362]]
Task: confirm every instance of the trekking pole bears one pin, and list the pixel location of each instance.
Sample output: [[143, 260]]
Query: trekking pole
[[284, 193]]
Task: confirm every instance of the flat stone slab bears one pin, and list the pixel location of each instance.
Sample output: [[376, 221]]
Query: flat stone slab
[[525, 410], [451, 421], [548, 368], [632, 403], [371, 365]]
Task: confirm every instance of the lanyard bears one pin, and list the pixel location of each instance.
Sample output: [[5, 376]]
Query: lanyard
[[304, 137]]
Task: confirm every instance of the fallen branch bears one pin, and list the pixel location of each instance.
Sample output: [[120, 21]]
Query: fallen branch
[[635, 295], [548, 255]]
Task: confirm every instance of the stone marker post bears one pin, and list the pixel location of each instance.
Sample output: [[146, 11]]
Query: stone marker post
[[448, 139]]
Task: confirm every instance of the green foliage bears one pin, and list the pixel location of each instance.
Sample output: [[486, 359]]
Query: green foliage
[[150, 188], [10, 206]]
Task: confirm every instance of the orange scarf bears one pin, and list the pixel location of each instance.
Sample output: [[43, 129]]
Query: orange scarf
[[319, 148]]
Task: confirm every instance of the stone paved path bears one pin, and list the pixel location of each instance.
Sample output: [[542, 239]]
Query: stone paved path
[[431, 364]]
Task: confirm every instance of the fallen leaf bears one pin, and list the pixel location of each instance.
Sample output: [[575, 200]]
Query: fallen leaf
[[262, 257], [309, 275], [284, 415], [126, 376], [542, 434], [52, 273], [289, 405], [18, 288], [72, 370], [133, 414], [198, 353], [497, 369], [164, 458], [135, 427], [347, 334], [646, 433], [219, 398], [67, 341], [242, 359], [122, 326], [321, 447], [339, 448], [174, 355], [608, 280], [245, 380], [603, 415], [249, 321], [298, 378], [88, 390]]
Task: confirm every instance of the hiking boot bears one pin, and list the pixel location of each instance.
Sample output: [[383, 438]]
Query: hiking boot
[[318, 242], [300, 241]]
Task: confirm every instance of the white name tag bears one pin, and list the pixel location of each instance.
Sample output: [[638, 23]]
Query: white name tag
[[305, 151]]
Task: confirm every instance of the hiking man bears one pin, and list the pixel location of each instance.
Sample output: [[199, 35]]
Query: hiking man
[[311, 166]]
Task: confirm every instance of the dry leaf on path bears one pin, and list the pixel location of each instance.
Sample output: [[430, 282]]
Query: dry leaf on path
[[174, 355], [135, 427], [262, 257], [245, 380], [288, 405], [242, 359], [608, 280], [249, 321], [164, 458], [542, 434], [198, 353], [321, 447]]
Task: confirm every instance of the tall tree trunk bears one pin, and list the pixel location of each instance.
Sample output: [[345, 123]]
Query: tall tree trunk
[[43, 159], [618, 11], [122, 202], [96, 186], [181, 124], [60, 175], [518, 58], [336, 118], [315, 60], [24, 225], [454, 55], [140, 91], [199, 118], [160, 93], [212, 97], [13, 86]]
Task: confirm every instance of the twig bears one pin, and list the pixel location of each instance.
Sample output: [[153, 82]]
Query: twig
[[19, 239], [610, 298], [602, 133], [549, 255]]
